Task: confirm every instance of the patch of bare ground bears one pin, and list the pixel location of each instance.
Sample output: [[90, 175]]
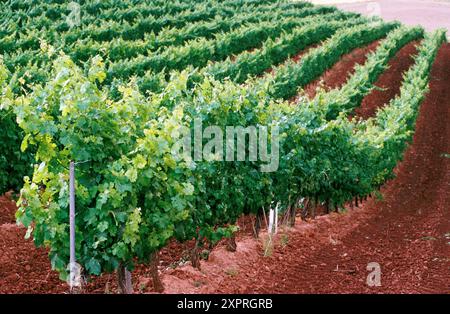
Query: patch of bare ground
[[339, 73], [389, 83]]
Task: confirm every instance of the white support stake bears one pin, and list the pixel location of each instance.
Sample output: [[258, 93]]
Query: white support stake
[[271, 220], [276, 218], [74, 280]]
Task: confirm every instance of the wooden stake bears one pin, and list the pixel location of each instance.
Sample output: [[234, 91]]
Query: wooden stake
[[195, 257], [157, 283], [124, 280], [74, 268], [231, 243]]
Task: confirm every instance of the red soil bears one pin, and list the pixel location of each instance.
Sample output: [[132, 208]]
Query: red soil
[[389, 82], [338, 74], [408, 233], [23, 268], [7, 210]]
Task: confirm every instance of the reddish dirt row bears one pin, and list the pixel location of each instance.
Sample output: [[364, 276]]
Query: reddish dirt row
[[338, 74], [7, 210], [23, 268], [389, 83]]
